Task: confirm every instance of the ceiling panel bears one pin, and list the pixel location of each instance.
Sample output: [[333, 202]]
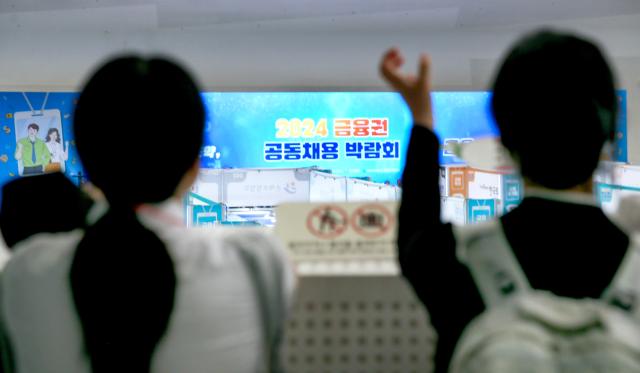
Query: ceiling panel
[[437, 19], [514, 12], [303, 14], [202, 12], [109, 19], [11, 6]]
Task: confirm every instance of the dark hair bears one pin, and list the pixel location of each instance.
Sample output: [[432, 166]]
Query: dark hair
[[122, 276], [34, 126], [49, 132], [555, 104], [42, 203]]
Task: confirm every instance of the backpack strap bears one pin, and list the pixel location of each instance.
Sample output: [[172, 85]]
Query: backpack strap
[[624, 290], [484, 249], [265, 271]]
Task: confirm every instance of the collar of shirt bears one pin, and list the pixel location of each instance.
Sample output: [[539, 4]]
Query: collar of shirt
[[168, 212]]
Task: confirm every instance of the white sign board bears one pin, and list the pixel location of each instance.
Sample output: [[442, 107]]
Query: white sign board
[[265, 187], [484, 185], [327, 188], [208, 185], [627, 175], [340, 238], [360, 190], [453, 210]]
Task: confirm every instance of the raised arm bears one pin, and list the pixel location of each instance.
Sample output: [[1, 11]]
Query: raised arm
[[420, 207], [426, 246]]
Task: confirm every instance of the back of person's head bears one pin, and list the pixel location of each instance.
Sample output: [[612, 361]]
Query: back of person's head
[[44, 203], [138, 126], [555, 104]]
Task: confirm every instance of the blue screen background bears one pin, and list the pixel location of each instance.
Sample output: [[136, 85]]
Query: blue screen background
[[239, 124]]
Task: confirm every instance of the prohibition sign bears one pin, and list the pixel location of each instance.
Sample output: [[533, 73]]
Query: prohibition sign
[[372, 220], [327, 221]]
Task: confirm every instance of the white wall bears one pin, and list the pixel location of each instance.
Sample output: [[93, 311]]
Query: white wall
[[291, 55]]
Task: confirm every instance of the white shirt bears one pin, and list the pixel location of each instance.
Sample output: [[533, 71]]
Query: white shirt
[[57, 153], [215, 325], [5, 254]]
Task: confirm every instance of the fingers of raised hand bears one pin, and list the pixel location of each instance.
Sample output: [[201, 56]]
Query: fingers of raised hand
[[389, 68]]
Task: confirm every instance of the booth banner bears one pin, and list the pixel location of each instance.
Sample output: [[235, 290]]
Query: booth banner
[[620, 144], [462, 211], [248, 188], [326, 187], [200, 211], [209, 185], [339, 238], [480, 210], [359, 190], [453, 210], [626, 175]]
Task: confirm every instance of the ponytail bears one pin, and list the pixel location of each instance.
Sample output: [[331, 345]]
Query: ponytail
[[123, 286], [122, 276]]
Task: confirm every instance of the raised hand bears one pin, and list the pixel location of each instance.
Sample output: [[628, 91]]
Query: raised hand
[[414, 89]]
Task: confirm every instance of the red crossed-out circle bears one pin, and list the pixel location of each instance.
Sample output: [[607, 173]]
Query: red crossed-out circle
[[327, 222], [377, 228]]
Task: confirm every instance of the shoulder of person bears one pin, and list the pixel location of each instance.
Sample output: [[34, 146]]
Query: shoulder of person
[[234, 238], [41, 253], [259, 247], [219, 246], [225, 245]]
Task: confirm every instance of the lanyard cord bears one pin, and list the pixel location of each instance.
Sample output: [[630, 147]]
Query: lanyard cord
[[33, 111]]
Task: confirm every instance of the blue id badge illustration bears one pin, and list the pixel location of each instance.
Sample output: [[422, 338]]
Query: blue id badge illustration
[[40, 146]]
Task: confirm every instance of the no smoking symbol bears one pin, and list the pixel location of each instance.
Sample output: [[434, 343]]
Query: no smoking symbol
[[327, 221], [371, 221]]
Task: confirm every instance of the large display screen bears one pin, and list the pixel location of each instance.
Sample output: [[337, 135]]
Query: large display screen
[[356, 134]]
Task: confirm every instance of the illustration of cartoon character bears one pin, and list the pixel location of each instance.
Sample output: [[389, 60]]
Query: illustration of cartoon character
[[32, 152], [59, 154]]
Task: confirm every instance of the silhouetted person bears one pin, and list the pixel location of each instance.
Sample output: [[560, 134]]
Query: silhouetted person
[[138, 291], [48, 203], [44, 203], [555, 105]]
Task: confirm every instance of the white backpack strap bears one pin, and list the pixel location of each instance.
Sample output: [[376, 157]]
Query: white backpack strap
[[265, 271], [624, 290], [484, 249]]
